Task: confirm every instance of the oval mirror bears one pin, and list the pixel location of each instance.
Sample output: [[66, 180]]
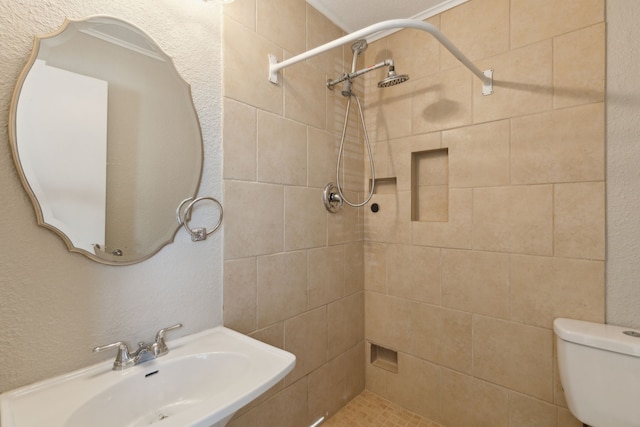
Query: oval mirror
[[106, 139]]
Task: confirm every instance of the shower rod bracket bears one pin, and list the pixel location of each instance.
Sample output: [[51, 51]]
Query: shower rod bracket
[[273, 73], [485, 77], [487, 83]]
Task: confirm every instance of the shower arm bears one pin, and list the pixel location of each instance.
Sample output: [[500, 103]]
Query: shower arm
[[485, 76], [354, 74]]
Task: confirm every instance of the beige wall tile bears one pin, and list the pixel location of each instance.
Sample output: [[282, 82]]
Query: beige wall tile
[[240, 140], [274, 22], [376, 378], [431, 203], [380, 150], [522, 83], [272, 335], [414, 52], [442, 101], [353, 368], [354, 126], [282, 150], [442, 336], [354, 268], [560, 146], [545, 288], [430, 167], [527, 412], [392, 222], [543, 19], [352, 169], [326, 275], [287, 408], [345, 323], [416, 386], [375, 273], [476, 282], [345, 226], [306, 337], [324, 386], [478, 155], [400, 151], [527, 364], [468, 401], [558, 392], [321, 30], [377, 51], [322, 155], [485, 32], [336, 106], [243, 49], [282, 287], [387, 107], [334, 384], [304, 94], [243, 11], [413, 272], [456, 232], [240, 295], [566, 419], [388, 320], [514, 219], [305, 223], [254, 219], [579, 220], [579, 67]]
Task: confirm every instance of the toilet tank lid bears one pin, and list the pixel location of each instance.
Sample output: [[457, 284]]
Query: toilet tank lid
[[598, 335]]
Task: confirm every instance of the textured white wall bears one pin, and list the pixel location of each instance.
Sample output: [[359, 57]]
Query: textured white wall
[[56, 306], [623, 163]]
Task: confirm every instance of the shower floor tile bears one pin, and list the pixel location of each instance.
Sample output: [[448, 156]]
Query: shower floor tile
[[370, 410]]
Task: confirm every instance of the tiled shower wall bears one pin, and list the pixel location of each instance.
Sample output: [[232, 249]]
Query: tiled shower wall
[[468, 299], [293, 274]]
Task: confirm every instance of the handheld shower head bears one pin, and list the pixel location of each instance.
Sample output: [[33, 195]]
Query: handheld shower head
[[359, 46], [346, 90], [392, 78]]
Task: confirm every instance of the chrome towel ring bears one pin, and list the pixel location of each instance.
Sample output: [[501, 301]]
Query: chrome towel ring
[[183, 217]]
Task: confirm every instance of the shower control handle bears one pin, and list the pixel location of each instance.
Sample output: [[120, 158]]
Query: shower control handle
[[331, 198]]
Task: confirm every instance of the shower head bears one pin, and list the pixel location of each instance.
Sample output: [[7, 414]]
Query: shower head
[[359, 46], [392, 78], [346, 90]]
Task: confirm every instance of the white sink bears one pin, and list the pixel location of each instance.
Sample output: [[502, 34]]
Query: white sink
[[202, 382]]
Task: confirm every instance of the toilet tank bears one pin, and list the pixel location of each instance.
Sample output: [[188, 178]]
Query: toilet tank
[[600, 372]]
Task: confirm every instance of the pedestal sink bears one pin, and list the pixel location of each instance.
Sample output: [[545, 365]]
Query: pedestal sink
[[202, 382]]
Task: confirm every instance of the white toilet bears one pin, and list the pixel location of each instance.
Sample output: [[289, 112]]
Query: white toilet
[[600, 372]]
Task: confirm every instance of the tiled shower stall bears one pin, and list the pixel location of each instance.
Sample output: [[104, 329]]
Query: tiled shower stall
[[491, 219]]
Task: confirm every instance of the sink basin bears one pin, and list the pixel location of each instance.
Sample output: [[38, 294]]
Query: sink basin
[[202, 382]]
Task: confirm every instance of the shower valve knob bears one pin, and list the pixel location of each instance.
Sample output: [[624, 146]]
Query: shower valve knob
[[331, 198]]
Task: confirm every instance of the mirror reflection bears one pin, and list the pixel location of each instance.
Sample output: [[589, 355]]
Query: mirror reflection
[[106, 139]]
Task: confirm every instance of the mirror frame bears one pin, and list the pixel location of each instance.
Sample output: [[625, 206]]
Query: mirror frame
[[13, 142]]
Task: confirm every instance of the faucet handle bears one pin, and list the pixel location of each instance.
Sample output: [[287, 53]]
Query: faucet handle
[[123, 358], [161, 344]]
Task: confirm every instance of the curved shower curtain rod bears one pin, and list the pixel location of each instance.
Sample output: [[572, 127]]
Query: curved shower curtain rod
[[485, 76]]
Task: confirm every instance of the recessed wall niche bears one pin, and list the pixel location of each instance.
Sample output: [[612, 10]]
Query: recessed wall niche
[[384, 185], [430, 185]]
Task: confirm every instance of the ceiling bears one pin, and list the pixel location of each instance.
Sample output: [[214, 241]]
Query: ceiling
[[352, 15]]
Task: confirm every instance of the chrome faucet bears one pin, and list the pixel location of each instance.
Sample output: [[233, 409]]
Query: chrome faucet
[[125, 359]]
